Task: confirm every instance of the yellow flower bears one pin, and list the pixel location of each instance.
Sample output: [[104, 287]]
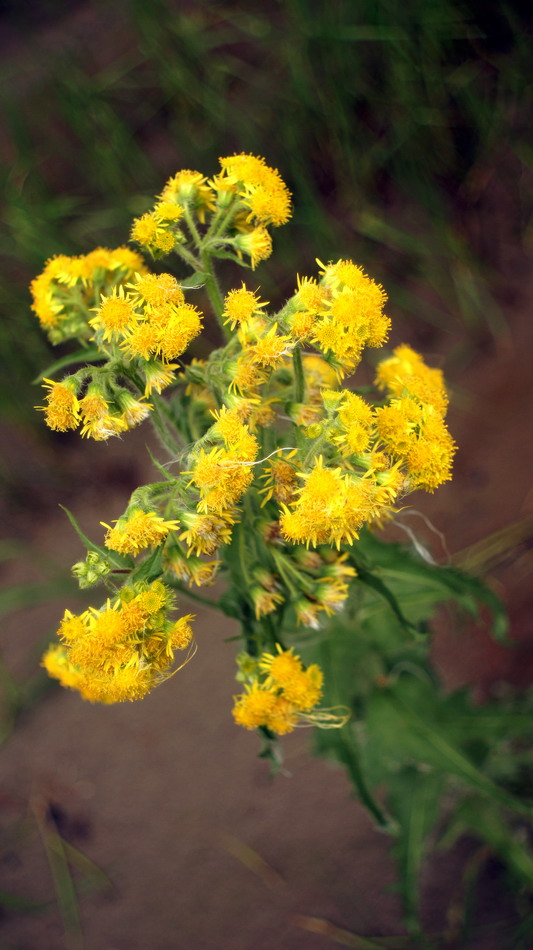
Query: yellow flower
[[264, 601], [253, 707], [155, 289], [283, 667], [240, 305], [167, 211], [310, 296], [93, 406], [124, 649], [152, 233], [141, 340], [103, 428], [181, 633], [281, 481], [58, 665], [138, 530], [287, 694], [283, 717], [191, 188], [114, 315], [175, 335], [406, 373], [261, 188], [206, 532], [270, 348], [229, 425], [133, 411], [62, 412], [257, 244], [158, 375], [223, 475]]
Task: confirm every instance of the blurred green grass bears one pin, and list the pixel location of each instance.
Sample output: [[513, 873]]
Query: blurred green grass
[[386, 120]]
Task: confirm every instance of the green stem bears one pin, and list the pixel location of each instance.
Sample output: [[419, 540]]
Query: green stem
[[191, 225], [221, 220], [189, 258], [160, 424], [316, 446], [214, 293], [242, 558], [299, 380], [348, 753]]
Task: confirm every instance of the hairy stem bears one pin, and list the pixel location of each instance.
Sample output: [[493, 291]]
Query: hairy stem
[[299, 380]]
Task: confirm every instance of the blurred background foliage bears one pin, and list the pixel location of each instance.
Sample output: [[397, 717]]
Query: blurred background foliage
[[389, 121]]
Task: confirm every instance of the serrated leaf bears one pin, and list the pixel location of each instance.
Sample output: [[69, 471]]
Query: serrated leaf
[[88, 354], [195, 281], [118, 560]]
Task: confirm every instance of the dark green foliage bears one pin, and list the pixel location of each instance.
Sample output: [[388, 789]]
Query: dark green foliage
[[418, 756]]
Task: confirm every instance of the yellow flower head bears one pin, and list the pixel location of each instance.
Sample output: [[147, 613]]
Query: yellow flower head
[[152, 233], [158, 375], [206, 532], [155, 289], [257, 244], [405, 373], [253, 707], [115, 314], [177, 332], [191, 188], [62, 409], [240, 305], [138, 530]]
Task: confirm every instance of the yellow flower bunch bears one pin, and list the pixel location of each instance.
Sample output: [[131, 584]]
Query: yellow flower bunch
[[122, 650], [276, 462], [69, 287], [280, 693]]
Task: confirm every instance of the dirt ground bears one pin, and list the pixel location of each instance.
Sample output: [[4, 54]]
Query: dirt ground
[[167, 796]]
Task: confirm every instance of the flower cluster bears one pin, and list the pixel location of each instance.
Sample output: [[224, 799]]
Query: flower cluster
[[280, 692], [64, 294], [241, 200], [122, 650], [140, 326], [277, 462]]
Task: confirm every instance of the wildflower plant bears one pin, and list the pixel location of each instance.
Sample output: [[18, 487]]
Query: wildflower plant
[[279, 477]]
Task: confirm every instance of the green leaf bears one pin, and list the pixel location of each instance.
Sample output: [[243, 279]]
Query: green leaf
[[151, 568], [195, 281], [417, 584], [87, 354], [402, 732], [118, 560], [229, 256], [487, 822], [371, 580], [413, 798], [13, 904], [160, 468]]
